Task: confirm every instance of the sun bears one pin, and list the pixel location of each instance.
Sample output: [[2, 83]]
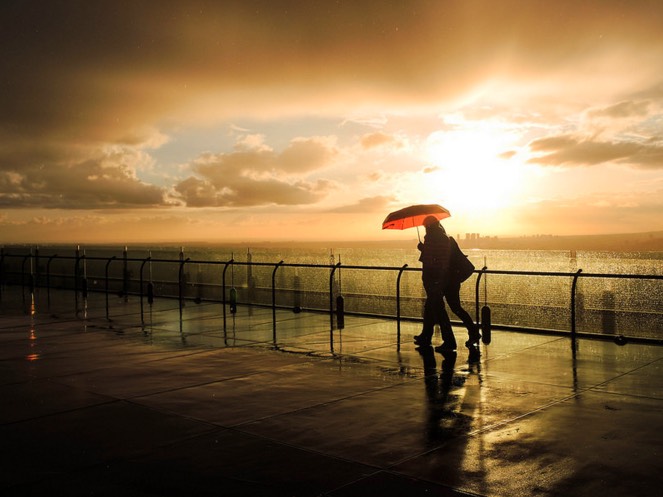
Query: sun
[[473, 170]]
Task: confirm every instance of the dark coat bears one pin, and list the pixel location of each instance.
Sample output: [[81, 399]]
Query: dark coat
[[435, 254]]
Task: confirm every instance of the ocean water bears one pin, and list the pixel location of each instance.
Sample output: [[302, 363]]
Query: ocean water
[[508, 260], [368, 279]]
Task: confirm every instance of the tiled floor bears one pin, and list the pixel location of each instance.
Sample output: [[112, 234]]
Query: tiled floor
[[175, 404]]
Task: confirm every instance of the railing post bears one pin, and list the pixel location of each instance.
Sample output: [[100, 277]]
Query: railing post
[[76, 276], [106, 283], [181, 284], [2, 270], [398, 307], [142, 266], [476, 293], [125, 273], [36, 277], [48, 279], [274, 301], [84, 279], [331, 306], [25, 259], [223, 291], [573, 306]]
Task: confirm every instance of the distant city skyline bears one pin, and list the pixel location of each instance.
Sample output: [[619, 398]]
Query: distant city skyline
[[269, 121]]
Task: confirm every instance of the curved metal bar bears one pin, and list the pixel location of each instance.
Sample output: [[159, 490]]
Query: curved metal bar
[[106, 284], [398, 307], [278, 265]]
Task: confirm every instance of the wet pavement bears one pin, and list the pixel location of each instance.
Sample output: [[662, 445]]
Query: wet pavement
[[175, 405]]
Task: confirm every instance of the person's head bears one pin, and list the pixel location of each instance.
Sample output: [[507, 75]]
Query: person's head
[[432, 223]]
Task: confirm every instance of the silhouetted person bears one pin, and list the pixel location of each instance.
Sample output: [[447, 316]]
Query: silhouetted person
[[440, 283], [435, 255]]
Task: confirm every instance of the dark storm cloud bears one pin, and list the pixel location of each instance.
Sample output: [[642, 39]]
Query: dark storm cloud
[[92, 184], [244, 192], [76, 76], [568, 150], [98, 69]]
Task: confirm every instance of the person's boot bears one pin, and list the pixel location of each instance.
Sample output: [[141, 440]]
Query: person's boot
[[422, 340], [474, 336], [475, 352], [448, 339], [447, 346]]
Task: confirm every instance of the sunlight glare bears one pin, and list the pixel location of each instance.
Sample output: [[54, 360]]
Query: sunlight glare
[[471, 172]]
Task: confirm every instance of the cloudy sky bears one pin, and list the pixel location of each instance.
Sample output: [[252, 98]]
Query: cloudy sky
[[312, 120]]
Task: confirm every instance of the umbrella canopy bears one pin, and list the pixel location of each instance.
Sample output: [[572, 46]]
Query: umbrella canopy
[[413, 215]]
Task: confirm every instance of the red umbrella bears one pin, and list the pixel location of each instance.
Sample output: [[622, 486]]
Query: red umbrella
[[414, 215]]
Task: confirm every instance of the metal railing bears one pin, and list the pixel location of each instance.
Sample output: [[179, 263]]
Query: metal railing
[[31, 271]]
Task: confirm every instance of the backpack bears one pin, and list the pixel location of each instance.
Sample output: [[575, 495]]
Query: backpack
[[460, 267]]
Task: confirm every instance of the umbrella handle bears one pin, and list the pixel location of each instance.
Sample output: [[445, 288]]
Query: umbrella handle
[[418, 234]]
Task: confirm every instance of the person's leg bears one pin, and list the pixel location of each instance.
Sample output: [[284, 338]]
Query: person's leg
[[452, 295], [429, 321], [433, 295], [448, 338], [442, 318]]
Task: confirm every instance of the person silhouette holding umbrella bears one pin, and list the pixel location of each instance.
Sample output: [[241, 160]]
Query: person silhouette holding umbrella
[[439, 283], [435, 256]]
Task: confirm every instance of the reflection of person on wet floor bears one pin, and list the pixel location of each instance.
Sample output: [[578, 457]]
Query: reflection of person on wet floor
[[435, 254], [439, 283], [437, 390]]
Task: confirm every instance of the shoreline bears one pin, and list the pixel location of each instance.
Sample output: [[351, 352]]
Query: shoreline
[[627, 242]]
